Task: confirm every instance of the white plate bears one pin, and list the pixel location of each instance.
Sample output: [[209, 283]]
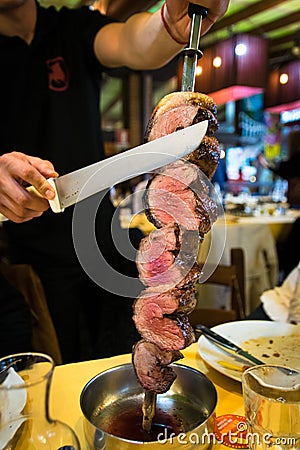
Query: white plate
[[271, 342]]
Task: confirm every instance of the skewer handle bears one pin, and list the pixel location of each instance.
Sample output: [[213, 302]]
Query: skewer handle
[[198, 10], [192, 51]]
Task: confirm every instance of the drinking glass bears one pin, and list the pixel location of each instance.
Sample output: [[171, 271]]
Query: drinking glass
[[25, 423], [272, 407]]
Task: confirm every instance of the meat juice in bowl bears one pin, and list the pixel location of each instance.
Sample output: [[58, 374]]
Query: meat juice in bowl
[[111, 404]]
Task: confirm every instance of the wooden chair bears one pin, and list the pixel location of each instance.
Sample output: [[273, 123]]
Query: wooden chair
[[233, 277]]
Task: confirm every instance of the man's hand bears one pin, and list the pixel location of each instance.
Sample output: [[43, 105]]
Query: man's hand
[[177, 19], [17, 171], [148, 41]]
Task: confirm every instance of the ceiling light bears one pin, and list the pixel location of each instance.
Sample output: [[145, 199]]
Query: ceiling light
[[296, 50], [217, 61], [284, 78], [240, 49], [199, 70]]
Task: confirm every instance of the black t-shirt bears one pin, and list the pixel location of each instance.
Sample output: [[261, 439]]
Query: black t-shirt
[[15, 320], [49, 107]]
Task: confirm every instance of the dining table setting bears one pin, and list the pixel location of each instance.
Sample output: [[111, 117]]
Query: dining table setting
[[270, 342], [231, 370], [69, 380]]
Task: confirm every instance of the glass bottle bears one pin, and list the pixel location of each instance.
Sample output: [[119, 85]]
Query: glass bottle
[[25, 424]]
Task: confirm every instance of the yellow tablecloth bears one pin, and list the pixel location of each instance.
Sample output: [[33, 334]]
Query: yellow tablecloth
[[69, 380]]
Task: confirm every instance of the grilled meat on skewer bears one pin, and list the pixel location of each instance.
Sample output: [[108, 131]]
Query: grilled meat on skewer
[[182, 300], [180, 110], [151, 365], [177, 202], [177, 193], [207, 156]]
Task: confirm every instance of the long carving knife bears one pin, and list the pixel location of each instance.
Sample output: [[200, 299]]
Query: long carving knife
[[227, 344], [82, 183], [192, 52]]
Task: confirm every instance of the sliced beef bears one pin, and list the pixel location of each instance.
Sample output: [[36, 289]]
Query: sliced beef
[[180, 110], [169, 332], [181, 171], [176, 193], [166, 256], [181, 300], [207, 156], [156, 255], [151, 365]]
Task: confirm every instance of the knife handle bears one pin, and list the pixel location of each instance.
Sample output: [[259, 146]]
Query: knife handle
[[198, 10], [55, 203]]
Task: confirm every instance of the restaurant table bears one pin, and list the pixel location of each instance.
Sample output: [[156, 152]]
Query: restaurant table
[[260, 260], [69, 380], [280, 225]]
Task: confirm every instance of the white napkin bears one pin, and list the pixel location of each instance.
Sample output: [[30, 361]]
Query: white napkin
[[282, 303], [12, 402]]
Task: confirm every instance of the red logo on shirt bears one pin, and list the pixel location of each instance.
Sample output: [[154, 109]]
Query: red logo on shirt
[[58, 74]]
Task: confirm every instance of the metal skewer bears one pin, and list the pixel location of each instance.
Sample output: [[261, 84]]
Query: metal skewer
[[192, 52], [149, 407]]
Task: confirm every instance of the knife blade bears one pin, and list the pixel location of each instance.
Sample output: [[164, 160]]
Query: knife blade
[[115, 169], [227, 344], [141, 159]]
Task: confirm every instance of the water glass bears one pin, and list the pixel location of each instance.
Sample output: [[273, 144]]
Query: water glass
[[25, 423], [272, 407]]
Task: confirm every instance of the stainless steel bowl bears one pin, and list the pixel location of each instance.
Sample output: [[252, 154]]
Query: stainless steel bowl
[[111, 404]]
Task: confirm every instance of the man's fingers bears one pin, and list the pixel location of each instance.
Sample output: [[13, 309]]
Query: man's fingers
[[42, 189], [44, 166], [22, 200], [19, 215], [31, 170], [17, 171]]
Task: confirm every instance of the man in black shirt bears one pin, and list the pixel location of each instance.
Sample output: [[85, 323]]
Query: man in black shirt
[[50, 68]]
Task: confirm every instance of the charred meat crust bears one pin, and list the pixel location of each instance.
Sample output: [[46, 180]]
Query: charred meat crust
[[151, 365], [207, 156], [191, 278], [204, 114]]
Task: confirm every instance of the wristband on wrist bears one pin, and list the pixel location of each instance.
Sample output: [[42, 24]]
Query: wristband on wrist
[[167, 26]]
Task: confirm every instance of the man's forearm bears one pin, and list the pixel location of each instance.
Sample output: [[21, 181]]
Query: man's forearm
[[149, 41], [141, 43]]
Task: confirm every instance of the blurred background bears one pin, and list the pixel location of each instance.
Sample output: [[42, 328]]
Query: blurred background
[[250, 67]]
